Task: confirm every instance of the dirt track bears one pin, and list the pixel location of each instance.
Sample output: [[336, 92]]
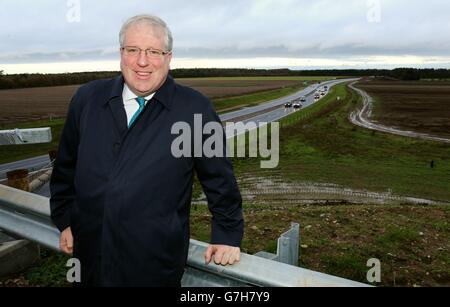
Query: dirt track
[[364, 118]]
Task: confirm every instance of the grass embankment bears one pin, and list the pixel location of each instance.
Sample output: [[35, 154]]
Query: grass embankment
[[319, 144], [411, 242]]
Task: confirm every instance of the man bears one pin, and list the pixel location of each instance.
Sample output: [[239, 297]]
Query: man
[[119, 197]]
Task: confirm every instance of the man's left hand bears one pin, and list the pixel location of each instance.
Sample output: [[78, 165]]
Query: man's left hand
[[223, 254]]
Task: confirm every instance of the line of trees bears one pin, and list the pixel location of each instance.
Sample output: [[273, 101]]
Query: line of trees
[[35, 80]]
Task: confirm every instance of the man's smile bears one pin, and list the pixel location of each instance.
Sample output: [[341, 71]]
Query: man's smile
[[143, 75]]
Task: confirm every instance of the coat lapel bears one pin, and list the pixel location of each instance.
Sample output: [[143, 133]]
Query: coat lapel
[[119, 114], [115, 103]]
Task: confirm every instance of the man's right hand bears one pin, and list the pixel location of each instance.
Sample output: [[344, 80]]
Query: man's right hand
[[66, 241]]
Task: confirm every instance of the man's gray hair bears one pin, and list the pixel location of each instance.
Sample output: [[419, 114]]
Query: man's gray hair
[[152, 21]]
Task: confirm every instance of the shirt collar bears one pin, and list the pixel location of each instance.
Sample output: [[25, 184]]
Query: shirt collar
[[164, 94], [129, 95]]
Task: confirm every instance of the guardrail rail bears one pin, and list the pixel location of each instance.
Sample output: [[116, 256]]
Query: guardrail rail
[[27, 216]]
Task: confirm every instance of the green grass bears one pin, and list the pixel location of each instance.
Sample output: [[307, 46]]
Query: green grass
[[352, 265], [441, 225], [311, 111], [395, 237], [51, 270]]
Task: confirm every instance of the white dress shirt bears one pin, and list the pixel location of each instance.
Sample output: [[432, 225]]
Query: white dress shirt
[[130, 103]]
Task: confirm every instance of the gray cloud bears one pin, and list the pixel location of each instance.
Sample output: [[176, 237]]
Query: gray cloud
[[38, 31], [340, 52]]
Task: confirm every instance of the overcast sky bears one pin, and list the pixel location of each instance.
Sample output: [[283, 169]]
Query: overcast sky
[[81, 35]]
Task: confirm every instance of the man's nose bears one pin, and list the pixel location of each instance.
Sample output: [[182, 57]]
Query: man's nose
[[142, 59]]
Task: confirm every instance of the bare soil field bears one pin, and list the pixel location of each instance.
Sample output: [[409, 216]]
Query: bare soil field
[[19, 105], [227, 88], [420, 106]]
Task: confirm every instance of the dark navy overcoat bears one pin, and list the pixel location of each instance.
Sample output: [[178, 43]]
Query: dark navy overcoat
[[125, 196]]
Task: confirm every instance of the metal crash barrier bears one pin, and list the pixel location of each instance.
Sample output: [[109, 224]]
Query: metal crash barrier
[[27, 216]]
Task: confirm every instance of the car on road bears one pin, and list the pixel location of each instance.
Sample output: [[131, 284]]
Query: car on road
[[303, 99], [288, 104], [317, 96], [297, 105]]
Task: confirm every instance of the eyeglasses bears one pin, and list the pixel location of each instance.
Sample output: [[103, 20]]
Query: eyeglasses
[[150, 52]]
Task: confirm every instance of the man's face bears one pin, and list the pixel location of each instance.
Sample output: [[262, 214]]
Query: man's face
[[144, 75]]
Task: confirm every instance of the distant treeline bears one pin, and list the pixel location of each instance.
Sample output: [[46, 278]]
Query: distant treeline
[[398, 73], [35, 80]]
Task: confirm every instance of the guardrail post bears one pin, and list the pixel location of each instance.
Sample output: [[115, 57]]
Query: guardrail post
[[287, 247]]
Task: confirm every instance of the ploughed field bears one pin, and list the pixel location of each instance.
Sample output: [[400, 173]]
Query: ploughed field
[[420, 106], [21, 105]]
